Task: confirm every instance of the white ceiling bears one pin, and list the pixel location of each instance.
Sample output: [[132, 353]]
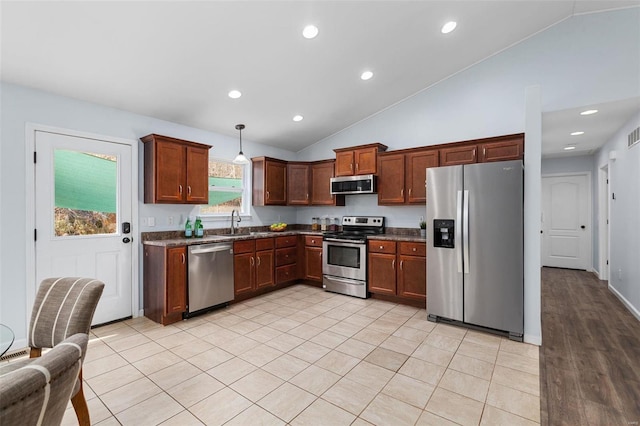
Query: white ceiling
[[598, 128], [177, 60]]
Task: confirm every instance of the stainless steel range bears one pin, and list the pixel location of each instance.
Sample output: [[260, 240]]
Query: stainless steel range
[[344, 255]]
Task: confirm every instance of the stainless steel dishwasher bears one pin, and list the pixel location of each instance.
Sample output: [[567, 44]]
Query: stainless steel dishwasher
[[210, 275]]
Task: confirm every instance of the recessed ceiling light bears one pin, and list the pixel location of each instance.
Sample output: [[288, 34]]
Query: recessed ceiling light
[[235, 94], [448, 27], [310, 31], [577, 133], [366, 75], [569, 148], [297, 117], [589, 112]]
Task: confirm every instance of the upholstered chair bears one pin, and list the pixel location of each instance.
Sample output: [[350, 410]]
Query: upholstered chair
[[37, 393], [64, 307]]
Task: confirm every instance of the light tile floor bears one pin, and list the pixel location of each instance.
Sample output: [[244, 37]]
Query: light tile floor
[[302, 356]]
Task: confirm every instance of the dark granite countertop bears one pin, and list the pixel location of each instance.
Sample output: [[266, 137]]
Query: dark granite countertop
[[173, 238]]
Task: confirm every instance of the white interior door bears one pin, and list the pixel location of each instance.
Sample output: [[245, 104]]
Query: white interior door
[[566, 221], [82, 199]]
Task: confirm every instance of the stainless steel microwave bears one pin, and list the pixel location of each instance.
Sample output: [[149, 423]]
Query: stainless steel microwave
[[363, 184]]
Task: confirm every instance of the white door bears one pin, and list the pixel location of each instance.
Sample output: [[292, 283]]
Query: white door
[[566, 221], [82, 199]]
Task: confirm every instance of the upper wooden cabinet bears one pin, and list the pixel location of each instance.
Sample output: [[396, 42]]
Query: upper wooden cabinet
[[269, 182], [511, 148], [321, 174], [298, 179], [358, 160], [308, 183], [402, 175], [457, 155], [175, 171], [501, 148]]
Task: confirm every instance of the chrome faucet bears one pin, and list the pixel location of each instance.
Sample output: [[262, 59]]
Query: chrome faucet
[[237, 213]]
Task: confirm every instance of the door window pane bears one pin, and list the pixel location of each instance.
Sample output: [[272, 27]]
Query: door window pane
[[85, 193]]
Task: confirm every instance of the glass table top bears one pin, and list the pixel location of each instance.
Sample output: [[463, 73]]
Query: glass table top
[[6, 338]]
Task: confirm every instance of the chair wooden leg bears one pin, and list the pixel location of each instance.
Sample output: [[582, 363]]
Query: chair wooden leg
[[80, 404], [35, 352]]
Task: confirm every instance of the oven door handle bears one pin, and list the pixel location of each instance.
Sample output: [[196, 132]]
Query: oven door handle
[[344, 280], [346, 243]]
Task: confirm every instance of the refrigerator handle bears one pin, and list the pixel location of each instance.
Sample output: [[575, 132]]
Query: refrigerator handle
[[465, 231], [457, 231]]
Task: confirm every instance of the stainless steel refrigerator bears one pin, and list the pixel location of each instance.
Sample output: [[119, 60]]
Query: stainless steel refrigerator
[[475, 272]]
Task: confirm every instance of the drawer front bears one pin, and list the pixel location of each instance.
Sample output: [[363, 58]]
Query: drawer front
[[286, 256], [264, 244], [285, 273], [382, 246], [313, 240], [288, 241], [413, 249], [245, 246]]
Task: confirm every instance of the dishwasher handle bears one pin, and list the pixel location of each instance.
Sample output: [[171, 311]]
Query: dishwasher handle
[[209, 248]]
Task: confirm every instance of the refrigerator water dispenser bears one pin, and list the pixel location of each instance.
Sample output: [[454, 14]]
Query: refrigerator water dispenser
[[443, 233]]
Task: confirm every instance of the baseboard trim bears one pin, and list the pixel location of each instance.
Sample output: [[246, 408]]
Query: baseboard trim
[[625, 302], [533, 339]]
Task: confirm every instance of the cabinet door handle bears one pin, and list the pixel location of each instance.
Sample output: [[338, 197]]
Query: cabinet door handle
[[474, 152], [393, 264], [401, 263], [351, 166], [409, 192], [184, 259], [188, 189], [252, 261], [258, 260], [381, 247], [484, 151], [307, 195], [267, 195], [313, 241], [180, 189], [402, 192], [414, 249], [357, 166]]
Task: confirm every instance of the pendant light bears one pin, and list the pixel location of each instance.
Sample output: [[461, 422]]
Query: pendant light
[[240, 158]]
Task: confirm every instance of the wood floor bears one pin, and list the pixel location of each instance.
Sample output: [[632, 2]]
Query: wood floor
[[590, 354]]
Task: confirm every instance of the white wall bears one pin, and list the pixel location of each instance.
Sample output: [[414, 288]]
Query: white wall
[[577, 62], [624, 182]]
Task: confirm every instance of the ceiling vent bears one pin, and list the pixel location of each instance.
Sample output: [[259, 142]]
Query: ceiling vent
[[634, 137]]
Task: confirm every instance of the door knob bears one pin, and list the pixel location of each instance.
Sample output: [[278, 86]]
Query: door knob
[[126, 240], [582, 226]]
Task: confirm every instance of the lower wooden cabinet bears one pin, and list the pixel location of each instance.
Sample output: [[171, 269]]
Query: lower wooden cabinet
[[286, 258], [313, 258], [398, 269], [165, 283], [412, 270], [253, 265]]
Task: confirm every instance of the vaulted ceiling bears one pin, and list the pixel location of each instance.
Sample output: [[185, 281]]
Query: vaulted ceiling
[[178, 60]]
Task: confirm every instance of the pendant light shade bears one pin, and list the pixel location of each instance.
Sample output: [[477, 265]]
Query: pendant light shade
[[240, 158]]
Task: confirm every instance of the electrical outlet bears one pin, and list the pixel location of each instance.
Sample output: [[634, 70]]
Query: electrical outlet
[[170, 220], [152, 221]]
